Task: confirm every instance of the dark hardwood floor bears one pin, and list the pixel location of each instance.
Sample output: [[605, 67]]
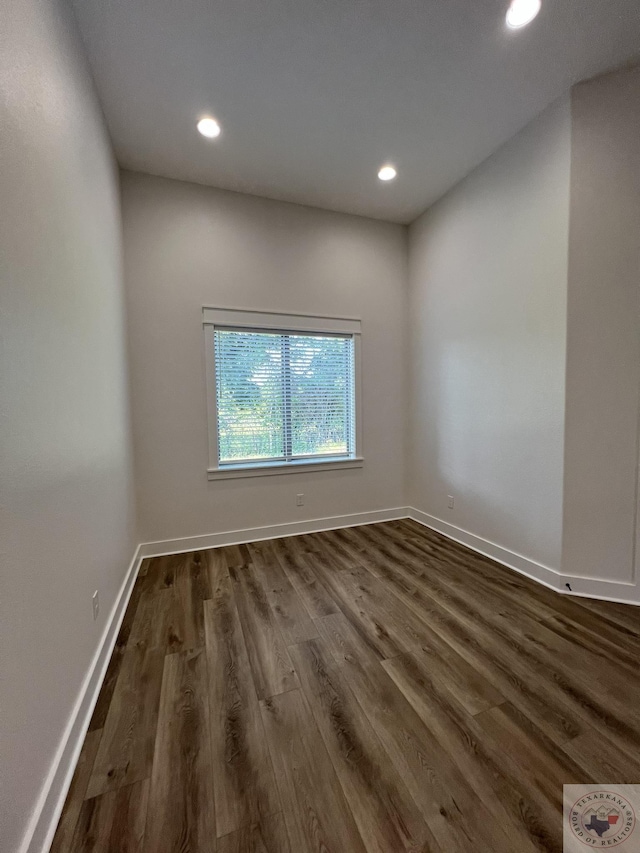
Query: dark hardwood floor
[[378, 688]]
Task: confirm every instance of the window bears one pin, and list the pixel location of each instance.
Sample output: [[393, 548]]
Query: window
[[282, 392]]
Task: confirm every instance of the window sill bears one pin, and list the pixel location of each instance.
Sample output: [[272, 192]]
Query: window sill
[[231, 472]]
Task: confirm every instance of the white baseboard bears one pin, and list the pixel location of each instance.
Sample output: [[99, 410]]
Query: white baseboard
[[46, 814], [605, 590], [273, 531]]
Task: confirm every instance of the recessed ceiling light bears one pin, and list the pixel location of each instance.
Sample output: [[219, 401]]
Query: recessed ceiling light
[[209, 127], [387, 173], [522, 12]]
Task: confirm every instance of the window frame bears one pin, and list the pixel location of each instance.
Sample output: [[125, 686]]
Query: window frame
[[268, 321]]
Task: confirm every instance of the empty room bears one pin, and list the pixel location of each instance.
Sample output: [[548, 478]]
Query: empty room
[[319, 426]]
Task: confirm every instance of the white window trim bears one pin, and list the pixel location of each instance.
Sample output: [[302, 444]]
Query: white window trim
[[216, 318]]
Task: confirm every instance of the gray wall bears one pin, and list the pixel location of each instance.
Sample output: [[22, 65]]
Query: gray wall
[[603, 363], [187, 246], [487, 307], [66, 494], [463, 372]]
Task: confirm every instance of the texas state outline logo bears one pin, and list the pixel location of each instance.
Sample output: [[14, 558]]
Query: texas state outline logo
[[601, 818]]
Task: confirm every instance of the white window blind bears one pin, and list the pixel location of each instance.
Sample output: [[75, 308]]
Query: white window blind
[[283, 396]]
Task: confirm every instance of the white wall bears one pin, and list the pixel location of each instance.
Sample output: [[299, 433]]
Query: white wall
[[187, 246], [487, 307], [482, 329], [603, 364], [66, 496]]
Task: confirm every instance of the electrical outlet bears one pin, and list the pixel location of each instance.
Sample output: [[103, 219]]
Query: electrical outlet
[[96, 605], [450, 501], [299, 500]]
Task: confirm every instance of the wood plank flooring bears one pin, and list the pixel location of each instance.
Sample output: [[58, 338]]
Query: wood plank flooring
[[377, 689]]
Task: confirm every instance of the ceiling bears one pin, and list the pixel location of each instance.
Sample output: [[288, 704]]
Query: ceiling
[[315, 95]]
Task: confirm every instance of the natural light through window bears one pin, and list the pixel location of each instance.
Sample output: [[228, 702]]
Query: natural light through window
[[281, 397]]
